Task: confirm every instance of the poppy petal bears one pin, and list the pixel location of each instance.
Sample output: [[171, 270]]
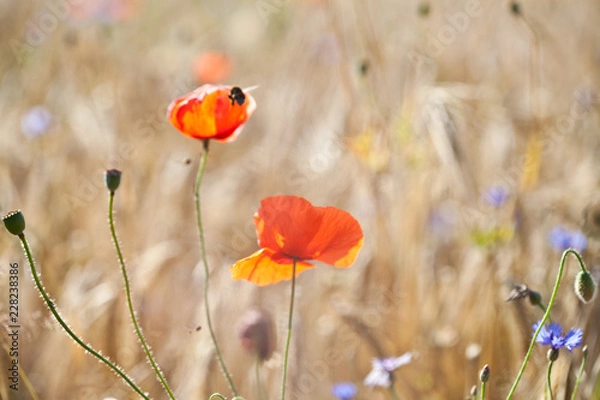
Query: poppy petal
[[263, 269], [293, 226], [338, 240], [209, 113]]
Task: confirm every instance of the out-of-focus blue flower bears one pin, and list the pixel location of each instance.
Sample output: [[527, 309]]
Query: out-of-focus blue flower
[[562, 239], [552, 336], [36, 122], [381, 373], [496, 196], [344, 390]]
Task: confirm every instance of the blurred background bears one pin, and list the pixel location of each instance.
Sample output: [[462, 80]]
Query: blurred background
[[463, 135]]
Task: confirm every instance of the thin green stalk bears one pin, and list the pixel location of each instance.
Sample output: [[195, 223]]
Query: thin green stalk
[[393, 393], [580, 374], [136, 325], [545, 317], [549, 380], [483, 384], [205, 262], [64, 325], [289, 332], [540, 305]]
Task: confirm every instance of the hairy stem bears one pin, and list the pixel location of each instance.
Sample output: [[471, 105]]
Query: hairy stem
[[136, 325], [64, 325], [206, 270]]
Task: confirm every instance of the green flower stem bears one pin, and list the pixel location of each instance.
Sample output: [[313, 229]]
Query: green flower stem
[[549, 380], [217, 395], [289, 332], [64, 325], [393, 393], [545, 317], [541, 306], [205, 262], [580, 374], [136, 325], [482, 396]]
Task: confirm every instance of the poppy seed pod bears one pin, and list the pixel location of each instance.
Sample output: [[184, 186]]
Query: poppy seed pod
[[585, 286], [14, 222], [112, 179], [257, 333]]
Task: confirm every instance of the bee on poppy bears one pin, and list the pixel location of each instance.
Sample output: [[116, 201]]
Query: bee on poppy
[[236, 95], [206, 113]]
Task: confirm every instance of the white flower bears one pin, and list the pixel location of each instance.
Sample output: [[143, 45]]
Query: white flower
[[381, 374]]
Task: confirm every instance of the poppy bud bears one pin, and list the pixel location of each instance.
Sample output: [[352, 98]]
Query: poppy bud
[[515, 8], [14, 222], [585, 286], [112, 179], [484, 375], [535, 298], [423, 9], [257, 333], [552, 354]]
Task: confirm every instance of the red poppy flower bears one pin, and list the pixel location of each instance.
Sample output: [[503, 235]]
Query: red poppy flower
[[288, 228], [212, 112]]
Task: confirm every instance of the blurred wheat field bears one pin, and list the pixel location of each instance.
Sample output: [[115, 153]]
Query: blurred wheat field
[[403, 113]]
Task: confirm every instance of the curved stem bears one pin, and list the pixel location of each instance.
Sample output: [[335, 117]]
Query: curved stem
[[217, 395], [580, 374], [205, 262], [548, 380], [64, 325], [545, 317], [136, 325], [289, 332]]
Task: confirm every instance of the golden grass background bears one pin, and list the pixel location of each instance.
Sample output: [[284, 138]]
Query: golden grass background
[[441, 113]]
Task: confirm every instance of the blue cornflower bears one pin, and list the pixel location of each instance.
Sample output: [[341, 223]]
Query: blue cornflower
[[381, 374], [344, 390], [496, 196], [562, 239], [552, 336]]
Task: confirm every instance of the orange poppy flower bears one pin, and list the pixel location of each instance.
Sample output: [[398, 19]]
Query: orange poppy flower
[[288, 228], [212, 67], [212, 112]]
